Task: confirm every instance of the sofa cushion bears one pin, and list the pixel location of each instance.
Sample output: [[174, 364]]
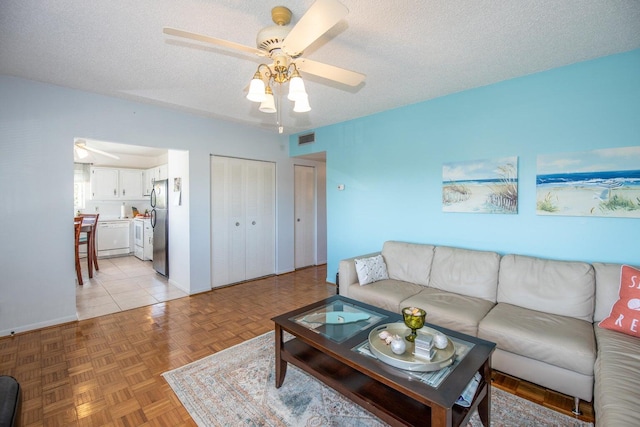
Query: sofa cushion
[[467, 272], [561, 341], [454, 311], [371, 269], [607, 288], [625, 313], [409, 262], [565, 288], [617, 382], [385, 294]]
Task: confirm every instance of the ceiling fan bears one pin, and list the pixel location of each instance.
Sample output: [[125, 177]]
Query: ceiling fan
[[284, 45], [82, 149]]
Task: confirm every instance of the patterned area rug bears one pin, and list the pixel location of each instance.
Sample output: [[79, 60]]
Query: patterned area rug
[[236, 387]]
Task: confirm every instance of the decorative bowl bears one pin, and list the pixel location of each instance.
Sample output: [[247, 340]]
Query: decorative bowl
[[414, 319]]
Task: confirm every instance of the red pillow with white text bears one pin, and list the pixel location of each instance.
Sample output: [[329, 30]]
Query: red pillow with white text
[[625, 313]]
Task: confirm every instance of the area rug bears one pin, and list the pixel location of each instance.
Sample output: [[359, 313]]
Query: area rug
[[236, 387]]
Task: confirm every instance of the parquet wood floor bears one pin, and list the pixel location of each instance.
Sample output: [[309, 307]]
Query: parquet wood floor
[[106, 371]]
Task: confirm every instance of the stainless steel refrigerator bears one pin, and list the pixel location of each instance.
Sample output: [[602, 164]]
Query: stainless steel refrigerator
[[160, 224]]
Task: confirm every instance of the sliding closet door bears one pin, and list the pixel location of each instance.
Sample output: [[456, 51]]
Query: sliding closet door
[[242, 220], [260, 219]]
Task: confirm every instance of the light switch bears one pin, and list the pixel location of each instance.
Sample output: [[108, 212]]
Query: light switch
[[340, 187]]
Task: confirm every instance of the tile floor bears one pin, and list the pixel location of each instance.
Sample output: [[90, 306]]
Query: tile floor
[[121, 284]]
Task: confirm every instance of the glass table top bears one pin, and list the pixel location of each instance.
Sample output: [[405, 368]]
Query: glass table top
[[338, 320]]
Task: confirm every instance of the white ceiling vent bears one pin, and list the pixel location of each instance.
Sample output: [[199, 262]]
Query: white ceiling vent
[[309, 138]]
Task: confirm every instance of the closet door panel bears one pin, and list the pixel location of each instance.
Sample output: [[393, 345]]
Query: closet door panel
[[219, 222], [237, 221], [261, 220]]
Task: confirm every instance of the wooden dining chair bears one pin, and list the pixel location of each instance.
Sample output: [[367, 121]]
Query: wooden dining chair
[[77, 223], [90, 223]]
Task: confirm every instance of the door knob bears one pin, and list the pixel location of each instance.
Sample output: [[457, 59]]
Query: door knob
[[237, 224], [298, 219], [253, 223]]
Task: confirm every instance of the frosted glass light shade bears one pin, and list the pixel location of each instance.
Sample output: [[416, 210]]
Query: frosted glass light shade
[[296, 89], [256, 91], [269, 104], [302, 105], [81, 152]]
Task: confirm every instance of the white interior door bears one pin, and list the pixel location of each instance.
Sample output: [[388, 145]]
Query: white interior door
[[305, 219]]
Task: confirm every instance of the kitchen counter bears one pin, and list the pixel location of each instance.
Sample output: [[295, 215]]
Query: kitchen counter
[[114, 218]]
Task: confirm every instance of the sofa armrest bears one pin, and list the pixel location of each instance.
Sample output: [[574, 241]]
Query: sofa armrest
[[347, 272]]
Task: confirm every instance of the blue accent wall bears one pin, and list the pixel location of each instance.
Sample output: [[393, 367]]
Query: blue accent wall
[[391, 164]]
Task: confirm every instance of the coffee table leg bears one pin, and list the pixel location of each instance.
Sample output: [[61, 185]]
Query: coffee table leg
[[484, 407], [281, 365]]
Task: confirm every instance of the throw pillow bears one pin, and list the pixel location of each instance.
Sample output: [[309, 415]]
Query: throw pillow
[[371, 269], [625, 313]]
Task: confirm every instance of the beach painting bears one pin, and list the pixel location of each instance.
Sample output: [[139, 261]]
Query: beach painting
[[603, 183], [481, 186]]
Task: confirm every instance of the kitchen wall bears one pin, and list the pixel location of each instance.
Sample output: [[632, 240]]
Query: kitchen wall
[[38, 124], [391, 164]]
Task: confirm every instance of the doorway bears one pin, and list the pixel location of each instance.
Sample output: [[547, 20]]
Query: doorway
[[305, 216]]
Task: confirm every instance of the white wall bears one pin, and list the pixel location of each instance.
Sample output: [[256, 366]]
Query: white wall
[[38, 123], [179, 238]]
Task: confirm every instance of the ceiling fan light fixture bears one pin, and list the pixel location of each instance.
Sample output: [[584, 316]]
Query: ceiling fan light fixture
[[81, 152], [256, 89], [302, 105], [296, 87], [269, 104]]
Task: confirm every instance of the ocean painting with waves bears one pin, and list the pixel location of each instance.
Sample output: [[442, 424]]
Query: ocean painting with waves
[[603, 183]]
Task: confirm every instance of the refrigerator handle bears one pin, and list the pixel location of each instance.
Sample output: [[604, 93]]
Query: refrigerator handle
[[153, 218], [153, 198]]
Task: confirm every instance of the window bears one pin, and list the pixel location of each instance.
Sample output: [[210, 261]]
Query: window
[[80, 185]]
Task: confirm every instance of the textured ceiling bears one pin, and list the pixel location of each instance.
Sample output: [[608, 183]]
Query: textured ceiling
[[410, 51]]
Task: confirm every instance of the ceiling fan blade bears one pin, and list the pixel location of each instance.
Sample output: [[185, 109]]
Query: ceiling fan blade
[[95, 150], [340, 75], [212, 40], [321, 16]]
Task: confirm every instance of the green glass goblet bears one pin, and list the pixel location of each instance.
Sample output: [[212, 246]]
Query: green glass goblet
[[414, 319]]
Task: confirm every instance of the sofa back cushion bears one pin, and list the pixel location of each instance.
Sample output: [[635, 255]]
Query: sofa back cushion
[[607, 287], [565, 288], [466, 272], [409, 262]]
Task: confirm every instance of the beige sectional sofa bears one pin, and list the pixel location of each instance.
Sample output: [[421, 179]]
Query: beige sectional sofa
[[541, 313]]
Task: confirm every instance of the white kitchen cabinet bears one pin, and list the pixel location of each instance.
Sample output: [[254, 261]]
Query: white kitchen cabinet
[[154, 174], [104, 184], [242, 220], [130, 184], [163, 172], [116, 184]]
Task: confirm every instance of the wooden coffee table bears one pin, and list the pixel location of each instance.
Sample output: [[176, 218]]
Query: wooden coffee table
[[393, 395]]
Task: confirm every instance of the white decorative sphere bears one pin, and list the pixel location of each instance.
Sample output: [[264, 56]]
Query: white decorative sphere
[[398, 346], [440, 341]]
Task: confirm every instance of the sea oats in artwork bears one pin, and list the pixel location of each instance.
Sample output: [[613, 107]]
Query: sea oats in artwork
[[481, 186]]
